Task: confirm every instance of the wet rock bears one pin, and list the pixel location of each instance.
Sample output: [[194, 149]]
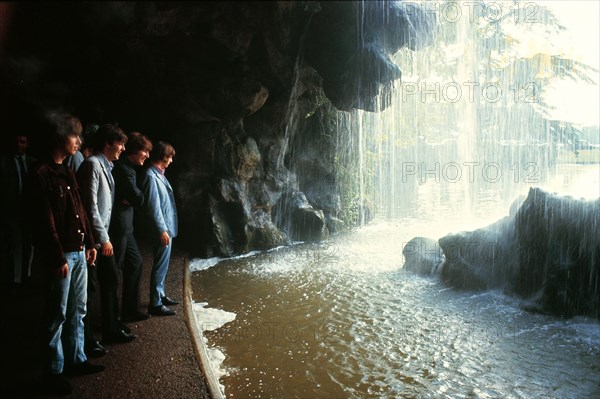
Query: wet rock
[[559, 253], [334, 225], [481, 259], [546, 251], [247, 159], [350, 44], [423, 256], [228, 220], [263, 234], [303, 223]]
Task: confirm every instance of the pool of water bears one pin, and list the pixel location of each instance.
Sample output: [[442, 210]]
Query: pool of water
[[341, 319]]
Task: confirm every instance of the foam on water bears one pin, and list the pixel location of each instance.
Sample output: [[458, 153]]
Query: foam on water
[[333, 329]]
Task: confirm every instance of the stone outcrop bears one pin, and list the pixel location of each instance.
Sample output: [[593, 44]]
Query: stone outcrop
[[350, 44], [559, 253], [547, 251], [423, 256], [484, 258]]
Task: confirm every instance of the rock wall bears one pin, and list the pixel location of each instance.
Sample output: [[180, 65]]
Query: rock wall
[[235, 86]]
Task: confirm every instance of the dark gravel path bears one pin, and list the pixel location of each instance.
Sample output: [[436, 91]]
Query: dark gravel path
[[160, 363]]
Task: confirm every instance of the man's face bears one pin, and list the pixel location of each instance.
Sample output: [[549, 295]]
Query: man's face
[[21, 144], [168, 161], [73, 143], [114, 150], [139, 157]]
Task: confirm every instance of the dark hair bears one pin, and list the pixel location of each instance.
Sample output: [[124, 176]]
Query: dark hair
[[107, 134], [137, 142], [161, 151], [64, 125]]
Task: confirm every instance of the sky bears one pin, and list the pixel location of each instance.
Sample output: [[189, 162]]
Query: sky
[[578, 103]]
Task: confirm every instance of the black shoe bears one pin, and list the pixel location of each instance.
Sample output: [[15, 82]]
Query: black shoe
[[160, 310], [168, 301], [84, 368], [56, 384], [120, 337], [95, 350], [136, 316], [124, 327]]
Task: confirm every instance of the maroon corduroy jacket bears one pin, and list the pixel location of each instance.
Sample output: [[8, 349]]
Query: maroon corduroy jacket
[[58, 219]]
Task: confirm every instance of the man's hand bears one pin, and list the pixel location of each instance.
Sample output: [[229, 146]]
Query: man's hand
[[90, 256], [63, 271], [164, 238], [106, 249]]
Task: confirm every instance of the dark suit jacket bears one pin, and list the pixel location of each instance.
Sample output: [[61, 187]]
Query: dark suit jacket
[[128, 196], [11, 200]]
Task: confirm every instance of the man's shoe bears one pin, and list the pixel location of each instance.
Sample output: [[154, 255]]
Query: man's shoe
[[56, 384], [85, 368], [95, 350], [160, 310], [136, 316], [124, 327], [168, 301], [120, 337]]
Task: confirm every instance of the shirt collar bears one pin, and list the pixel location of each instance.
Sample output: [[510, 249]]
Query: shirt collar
[[161, 170], [108, 164]]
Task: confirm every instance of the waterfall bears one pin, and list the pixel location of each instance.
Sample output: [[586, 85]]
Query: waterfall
[[467, 122], [467, 73]]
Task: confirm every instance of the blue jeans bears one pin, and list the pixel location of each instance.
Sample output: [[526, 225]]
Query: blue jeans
[[162, 255], [67, 308]]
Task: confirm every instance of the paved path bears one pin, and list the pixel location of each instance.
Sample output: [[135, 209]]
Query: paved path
[[160, 363]]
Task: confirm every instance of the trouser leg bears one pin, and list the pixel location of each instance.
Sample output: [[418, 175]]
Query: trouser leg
[[108, 278], [92, 287], [132, 273], [56, 308], [73, 332], [162, 256]]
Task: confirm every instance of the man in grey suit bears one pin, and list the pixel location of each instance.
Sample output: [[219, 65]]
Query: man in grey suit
[[98, 194]]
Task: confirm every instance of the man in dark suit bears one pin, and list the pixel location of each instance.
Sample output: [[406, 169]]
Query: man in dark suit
[[127, 198], [13, 169]]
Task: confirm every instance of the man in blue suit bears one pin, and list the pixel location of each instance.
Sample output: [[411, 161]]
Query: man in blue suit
[[98, 194], [161, 214]]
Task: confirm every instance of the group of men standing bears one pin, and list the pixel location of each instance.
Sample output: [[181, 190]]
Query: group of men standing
[[82, 227]]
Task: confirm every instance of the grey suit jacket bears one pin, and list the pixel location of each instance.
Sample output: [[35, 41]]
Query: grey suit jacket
[[97, 189]]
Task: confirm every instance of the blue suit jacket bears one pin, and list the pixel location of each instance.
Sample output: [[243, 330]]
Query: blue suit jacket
[[160, 203]]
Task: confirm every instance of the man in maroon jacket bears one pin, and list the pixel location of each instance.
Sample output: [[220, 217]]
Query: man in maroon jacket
[[63, 240]]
